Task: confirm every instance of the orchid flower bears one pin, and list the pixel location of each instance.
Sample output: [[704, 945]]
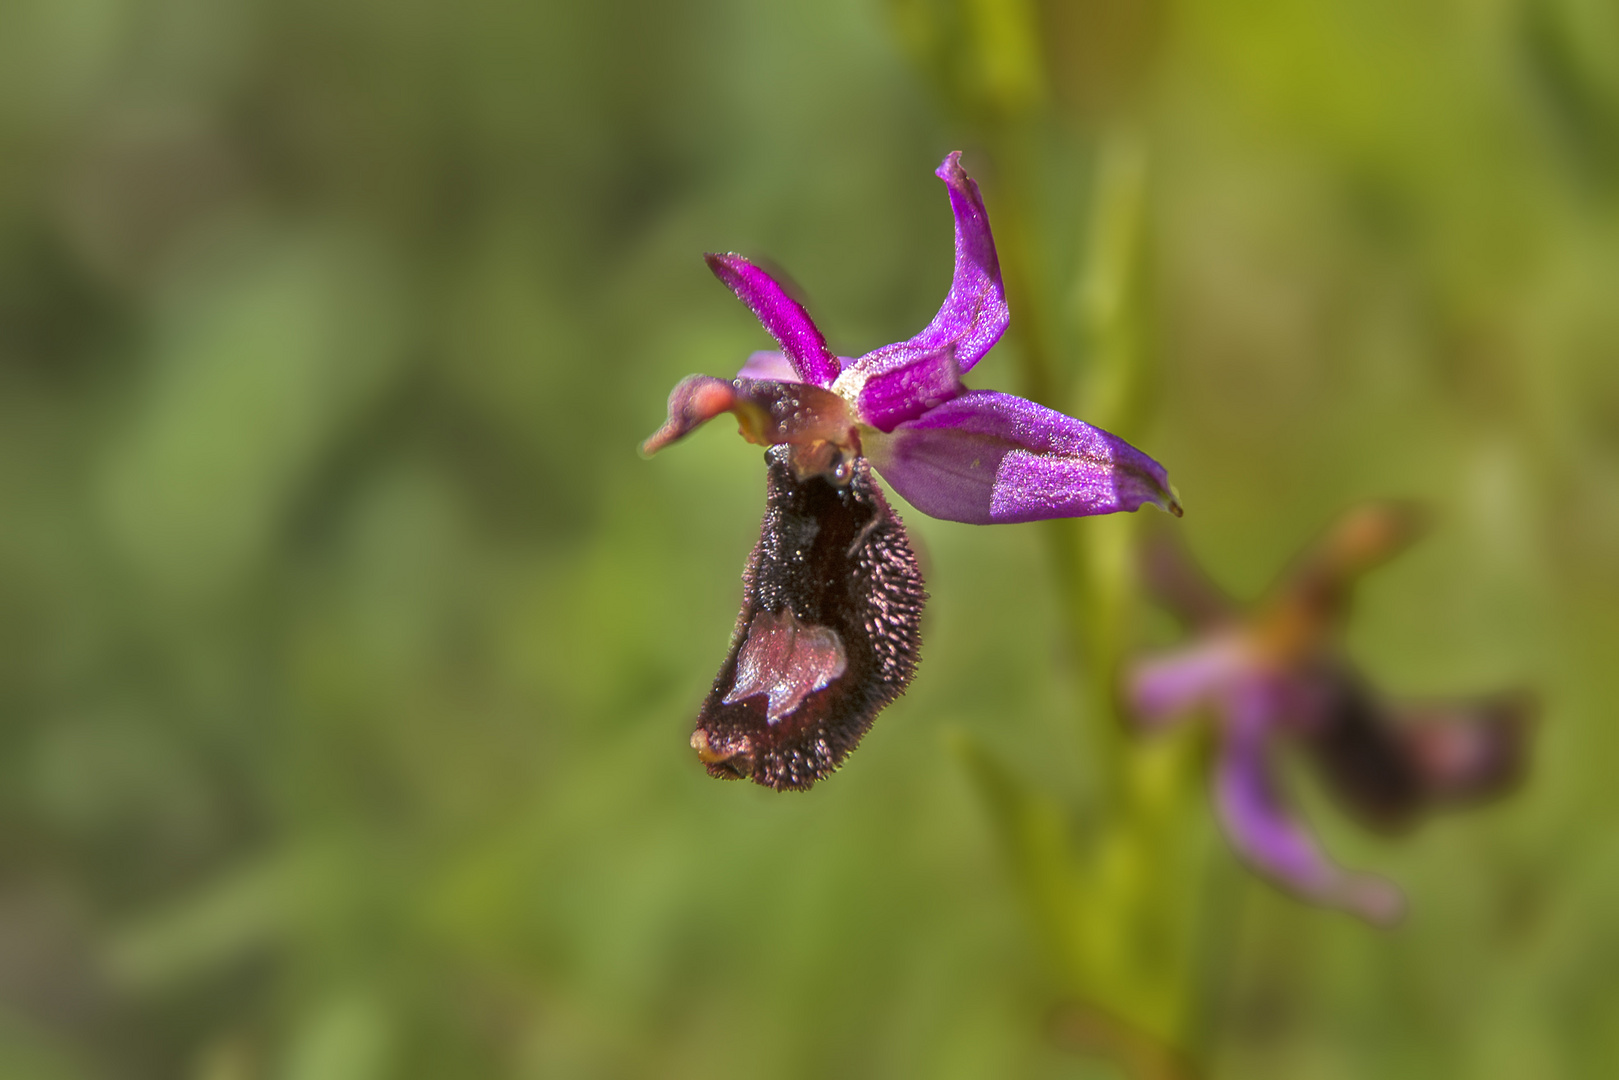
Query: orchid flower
[[828, 632], [1274, 675]]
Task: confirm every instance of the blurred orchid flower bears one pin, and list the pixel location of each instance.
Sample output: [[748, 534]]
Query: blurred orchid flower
[[1274, 674], [829, 627]]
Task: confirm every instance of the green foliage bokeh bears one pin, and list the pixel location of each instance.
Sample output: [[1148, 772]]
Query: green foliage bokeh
[[348, 652]]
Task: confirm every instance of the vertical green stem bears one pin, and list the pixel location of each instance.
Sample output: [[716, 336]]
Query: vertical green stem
[[1131, 937]]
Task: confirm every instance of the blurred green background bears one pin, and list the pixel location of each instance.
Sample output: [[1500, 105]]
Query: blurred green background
[[349, 653]]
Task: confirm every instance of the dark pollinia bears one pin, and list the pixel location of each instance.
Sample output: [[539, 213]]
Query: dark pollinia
[[828, 634]]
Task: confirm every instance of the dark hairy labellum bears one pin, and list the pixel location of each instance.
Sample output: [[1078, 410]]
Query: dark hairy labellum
[[1389, 763], [828, 633]]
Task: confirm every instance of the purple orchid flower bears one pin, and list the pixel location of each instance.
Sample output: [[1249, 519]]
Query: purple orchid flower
[[1275, 675], [828, 632]]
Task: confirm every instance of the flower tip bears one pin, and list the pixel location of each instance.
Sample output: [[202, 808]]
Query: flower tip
[[725, 265], [1164, 496], [694, 401], [950, 170], [731, 268]]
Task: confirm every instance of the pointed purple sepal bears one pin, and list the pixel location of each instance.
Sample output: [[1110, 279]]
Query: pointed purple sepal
[[974, 314], [783, 316], [991, 458]]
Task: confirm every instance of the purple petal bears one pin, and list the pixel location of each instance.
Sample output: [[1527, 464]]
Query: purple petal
[[1168, 686], [773, 366], [1263, 829], [989, 458], [974, 314], [886, 399], [783, 316]]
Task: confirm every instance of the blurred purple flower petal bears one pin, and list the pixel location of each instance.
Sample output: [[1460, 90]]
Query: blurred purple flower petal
[[1169, 686], [1263, 829]]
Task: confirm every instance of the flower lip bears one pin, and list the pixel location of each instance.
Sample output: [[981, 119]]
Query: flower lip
[[828, 635]]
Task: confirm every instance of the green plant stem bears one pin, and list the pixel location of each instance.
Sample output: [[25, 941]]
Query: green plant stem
[[1134, 948]]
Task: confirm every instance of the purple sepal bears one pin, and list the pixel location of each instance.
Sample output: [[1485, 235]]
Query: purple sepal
[[783, 316], [991, 458], [1260, 826], [1173, 578], [889, 398], [974, 314]]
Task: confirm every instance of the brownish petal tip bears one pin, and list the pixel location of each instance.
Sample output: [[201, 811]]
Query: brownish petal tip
[[693, 402]]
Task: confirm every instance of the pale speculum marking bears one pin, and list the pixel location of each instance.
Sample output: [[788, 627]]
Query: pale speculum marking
[[787, 660]]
